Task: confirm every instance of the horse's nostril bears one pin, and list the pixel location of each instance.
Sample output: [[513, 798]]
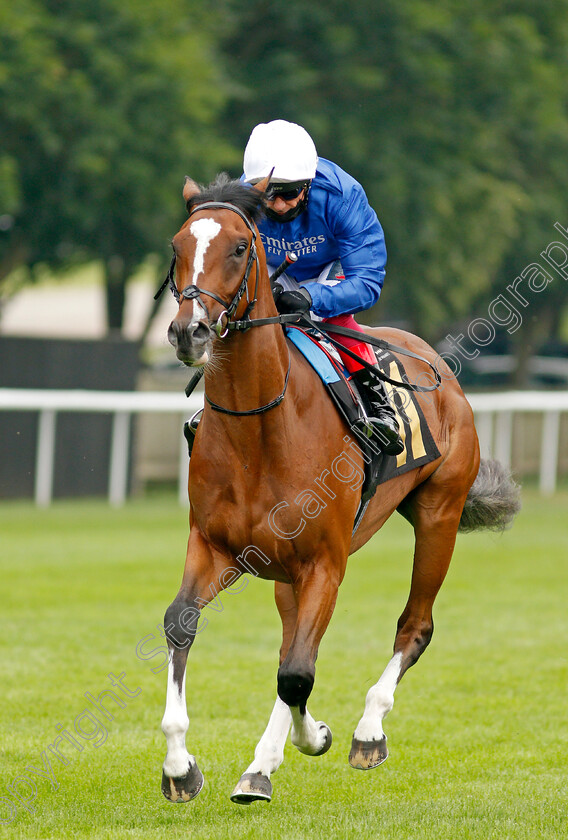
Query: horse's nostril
[[173, 334], [201, 332], [183, 336]]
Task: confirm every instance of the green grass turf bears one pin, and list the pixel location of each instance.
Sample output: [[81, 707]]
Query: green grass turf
[[478, 734]]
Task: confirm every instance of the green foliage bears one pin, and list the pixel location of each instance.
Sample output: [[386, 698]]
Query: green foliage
[[106, 107], [452, 115]]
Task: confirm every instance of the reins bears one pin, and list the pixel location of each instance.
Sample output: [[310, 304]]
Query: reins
[[381, 344], [224, 325]]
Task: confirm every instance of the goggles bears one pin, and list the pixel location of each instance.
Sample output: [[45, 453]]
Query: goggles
[[287, 192]]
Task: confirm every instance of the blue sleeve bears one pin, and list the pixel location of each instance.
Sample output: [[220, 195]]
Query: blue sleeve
[[363, 256]]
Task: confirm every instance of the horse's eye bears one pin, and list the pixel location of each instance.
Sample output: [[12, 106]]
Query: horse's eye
[[240, 249]]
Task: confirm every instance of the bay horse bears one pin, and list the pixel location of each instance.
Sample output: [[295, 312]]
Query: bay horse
[[267, 432]]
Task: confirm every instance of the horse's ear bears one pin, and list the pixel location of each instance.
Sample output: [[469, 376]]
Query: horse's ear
[[190, 188], [262, 186]]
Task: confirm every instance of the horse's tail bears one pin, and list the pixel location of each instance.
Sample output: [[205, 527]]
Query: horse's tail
[[493, 501]]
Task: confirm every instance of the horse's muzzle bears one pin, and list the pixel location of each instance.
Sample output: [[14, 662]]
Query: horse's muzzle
[[192, 341]]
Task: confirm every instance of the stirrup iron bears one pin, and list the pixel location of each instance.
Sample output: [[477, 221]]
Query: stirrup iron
[[190, 429]]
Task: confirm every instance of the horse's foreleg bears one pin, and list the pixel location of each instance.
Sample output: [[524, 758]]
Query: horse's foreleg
[[269, 753], [309, 736], [268, 756], [435, 538], [315, 597], [181, 778]]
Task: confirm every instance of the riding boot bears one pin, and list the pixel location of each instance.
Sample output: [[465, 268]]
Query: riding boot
[[190, 428], [382, 418]]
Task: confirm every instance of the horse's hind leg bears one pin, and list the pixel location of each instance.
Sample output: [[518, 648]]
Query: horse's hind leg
[[435, 515], [309, 736]]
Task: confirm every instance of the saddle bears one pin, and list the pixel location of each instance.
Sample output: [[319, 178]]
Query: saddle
[[353, 404]]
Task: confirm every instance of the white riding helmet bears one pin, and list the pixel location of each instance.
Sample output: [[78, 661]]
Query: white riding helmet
[[281, 146]]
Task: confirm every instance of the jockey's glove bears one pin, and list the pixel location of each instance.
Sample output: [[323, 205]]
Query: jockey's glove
[[296, 300]]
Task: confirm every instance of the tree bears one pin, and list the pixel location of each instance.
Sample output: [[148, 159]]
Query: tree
[[452, 115], [537, 140], [105, 107]]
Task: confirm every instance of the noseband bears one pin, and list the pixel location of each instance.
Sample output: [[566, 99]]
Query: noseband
[[224, 323]]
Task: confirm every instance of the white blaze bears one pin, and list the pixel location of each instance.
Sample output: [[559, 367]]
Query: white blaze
[[204, 231]]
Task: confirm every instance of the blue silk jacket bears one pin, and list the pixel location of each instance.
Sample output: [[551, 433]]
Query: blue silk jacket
[[338, 224]]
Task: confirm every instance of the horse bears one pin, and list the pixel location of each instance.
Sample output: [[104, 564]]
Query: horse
[[268, 430]]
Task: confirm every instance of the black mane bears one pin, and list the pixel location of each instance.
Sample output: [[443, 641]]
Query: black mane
[[224, 189]]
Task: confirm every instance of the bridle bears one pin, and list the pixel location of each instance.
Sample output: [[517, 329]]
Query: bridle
[[223, 324]]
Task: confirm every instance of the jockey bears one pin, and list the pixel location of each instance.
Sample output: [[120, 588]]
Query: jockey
[[321, 213]]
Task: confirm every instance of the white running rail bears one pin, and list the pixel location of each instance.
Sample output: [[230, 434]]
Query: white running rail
[[493, 413], [122, 405]]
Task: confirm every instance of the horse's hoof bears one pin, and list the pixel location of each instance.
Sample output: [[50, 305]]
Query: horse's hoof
[[252, 786], [365, 755], [323, 727], [184, 788]]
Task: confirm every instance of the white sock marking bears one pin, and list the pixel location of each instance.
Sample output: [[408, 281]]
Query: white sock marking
[[175, 724], [308, 735], [379, 702], [269, 752]]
